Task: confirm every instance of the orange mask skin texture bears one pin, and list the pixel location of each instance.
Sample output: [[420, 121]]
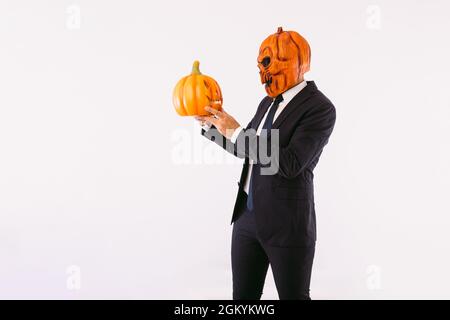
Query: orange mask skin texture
[[283, 59]]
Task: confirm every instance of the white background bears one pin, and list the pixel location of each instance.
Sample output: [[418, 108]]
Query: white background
[[98, 174]]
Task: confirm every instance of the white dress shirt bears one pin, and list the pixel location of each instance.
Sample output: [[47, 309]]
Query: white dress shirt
[[287, 97]]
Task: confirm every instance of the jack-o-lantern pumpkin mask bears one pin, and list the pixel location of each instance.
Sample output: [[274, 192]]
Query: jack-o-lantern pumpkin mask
[[283, 59]]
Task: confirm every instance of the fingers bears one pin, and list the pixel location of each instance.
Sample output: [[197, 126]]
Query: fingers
[[215, 112], [212, 120], [211, 110], [217, 118], [200, 118]]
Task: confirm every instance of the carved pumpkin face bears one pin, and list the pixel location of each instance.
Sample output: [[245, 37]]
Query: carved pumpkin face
[[283, 59]]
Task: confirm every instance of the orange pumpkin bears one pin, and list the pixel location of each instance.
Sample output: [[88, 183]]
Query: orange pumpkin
[[283, 59], [196, 91]]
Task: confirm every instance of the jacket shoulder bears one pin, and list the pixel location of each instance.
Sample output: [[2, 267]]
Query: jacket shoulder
[[319, 99], [263, 102], [321, 106]]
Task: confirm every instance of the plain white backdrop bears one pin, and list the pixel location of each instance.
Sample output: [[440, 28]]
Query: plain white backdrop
[[105, 192]]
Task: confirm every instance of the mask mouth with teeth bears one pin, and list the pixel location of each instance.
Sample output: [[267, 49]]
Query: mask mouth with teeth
[[283, 59]]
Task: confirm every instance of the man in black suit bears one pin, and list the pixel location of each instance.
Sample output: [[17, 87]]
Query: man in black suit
[[274, 217]]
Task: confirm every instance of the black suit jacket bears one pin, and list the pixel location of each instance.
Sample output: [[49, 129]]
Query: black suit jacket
[[284, 202]]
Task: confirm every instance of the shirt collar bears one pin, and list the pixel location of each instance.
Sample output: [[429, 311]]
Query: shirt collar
[[289, 94]]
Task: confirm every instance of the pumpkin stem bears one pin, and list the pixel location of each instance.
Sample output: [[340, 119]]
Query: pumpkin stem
[[280, 30], [195, 67]]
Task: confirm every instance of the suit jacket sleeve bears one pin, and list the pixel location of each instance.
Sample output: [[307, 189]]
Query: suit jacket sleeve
[[307, 142]]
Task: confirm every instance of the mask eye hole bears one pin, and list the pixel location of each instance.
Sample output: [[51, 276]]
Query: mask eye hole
[[265, 62]]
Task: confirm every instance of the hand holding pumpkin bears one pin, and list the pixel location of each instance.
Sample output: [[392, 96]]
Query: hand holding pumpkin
[[195, 91], [223, 122]]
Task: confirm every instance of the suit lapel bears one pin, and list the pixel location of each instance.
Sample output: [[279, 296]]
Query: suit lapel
[[261, 113], [294, 103]]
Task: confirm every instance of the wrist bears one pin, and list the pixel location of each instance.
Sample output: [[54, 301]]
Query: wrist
[[235, 134]]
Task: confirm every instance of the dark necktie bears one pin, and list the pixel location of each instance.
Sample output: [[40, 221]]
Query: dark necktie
[[267, 126]]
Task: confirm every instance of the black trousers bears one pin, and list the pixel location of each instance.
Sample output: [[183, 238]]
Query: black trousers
[[250, 259]]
